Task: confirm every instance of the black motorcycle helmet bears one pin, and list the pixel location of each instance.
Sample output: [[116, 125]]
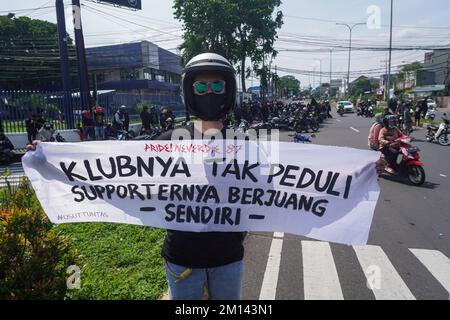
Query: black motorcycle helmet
[[390, 122], [208, 62]]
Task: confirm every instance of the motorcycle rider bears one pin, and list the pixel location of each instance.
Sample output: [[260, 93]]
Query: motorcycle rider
[[442, 128], [46, 132], [374, 132], [386, 139], [407, 119], [120, 122], [340, 109], [166, 119]]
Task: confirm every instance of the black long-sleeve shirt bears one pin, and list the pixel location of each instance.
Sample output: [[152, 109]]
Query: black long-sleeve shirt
[[201, 249]]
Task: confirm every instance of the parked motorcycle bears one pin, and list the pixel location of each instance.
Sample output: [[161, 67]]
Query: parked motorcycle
[[306, 124], [6, 150], [431, 114], [243, 126], [408, 162], [439, 134], [369, 112], [124, 135]]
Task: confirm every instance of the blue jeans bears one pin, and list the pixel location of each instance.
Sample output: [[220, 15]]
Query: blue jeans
[[99, 133], [223, 283]]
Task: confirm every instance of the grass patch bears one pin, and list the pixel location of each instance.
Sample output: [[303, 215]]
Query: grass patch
[[117, 261]]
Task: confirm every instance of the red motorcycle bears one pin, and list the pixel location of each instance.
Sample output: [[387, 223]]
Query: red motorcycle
[[408, 162]]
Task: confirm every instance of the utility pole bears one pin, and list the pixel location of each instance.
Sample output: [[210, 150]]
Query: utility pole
[[385, 77], [81, 55], [64, 60], [390, 54], [314, 77], [320, 75], [331, 66], [276, 81], [350, 28]]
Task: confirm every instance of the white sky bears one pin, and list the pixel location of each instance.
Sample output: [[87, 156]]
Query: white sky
[[417, 22]]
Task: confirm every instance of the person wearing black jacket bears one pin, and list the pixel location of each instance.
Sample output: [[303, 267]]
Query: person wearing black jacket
[[212, 260], [31, 126], [146, 119]]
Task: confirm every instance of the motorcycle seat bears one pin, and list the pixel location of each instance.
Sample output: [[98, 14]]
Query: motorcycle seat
[[432, 127]]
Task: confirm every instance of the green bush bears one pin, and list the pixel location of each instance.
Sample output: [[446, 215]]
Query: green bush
[[116, 261], [33, 255]]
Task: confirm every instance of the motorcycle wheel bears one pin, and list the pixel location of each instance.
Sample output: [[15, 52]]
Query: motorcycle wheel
[[416, 175], [444, 139], [314, 127]]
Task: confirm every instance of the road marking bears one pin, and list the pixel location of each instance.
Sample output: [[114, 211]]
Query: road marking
[[437, 263], [354, 129], [392, 286], [279, 235], [443, 175], [270, 281], [320, 276], [338, 120]]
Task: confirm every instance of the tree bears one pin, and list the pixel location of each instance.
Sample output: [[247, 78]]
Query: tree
[[408, 71], [29, 54], [288, 84], [236, 29], [360, 86]]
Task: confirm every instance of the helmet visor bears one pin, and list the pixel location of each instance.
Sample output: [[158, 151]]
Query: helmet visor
[[217, 87]]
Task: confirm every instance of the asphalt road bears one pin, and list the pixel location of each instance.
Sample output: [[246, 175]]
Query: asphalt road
[[408, 252]]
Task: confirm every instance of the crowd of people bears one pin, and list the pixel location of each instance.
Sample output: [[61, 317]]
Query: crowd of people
[[95, 127]]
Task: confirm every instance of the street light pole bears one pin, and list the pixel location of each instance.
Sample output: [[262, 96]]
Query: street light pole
[[350, 28], [390, 55]]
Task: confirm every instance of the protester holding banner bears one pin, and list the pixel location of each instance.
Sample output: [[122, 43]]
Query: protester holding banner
[[214, 259]]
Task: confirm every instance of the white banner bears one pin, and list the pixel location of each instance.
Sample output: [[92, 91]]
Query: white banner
[[325, 193]]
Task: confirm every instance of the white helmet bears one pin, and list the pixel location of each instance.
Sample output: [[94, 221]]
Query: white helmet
[[208, 62]]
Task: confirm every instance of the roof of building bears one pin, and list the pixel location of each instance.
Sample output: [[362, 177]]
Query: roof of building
[[133, 55]]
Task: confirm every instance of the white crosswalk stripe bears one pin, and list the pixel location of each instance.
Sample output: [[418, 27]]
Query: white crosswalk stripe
[[437, 263], [321, 281], [375, 263], [270, 281], [321, 278]]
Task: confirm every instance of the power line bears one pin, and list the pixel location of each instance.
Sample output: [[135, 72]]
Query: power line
[[384, 26]]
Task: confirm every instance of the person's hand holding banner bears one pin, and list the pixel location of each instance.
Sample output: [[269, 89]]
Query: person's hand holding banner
[[326, 193]]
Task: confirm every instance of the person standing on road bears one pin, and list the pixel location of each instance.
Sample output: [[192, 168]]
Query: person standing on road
[[145, 120], [417, 115], [31, 127], [424, 107], [88, 124], [99, 123], [212, 260]]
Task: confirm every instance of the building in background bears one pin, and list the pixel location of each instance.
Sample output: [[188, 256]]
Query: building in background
[[337, 88], [140, 67], [436, 69]]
